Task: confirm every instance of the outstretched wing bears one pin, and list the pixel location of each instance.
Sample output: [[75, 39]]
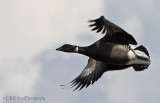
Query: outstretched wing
[[91, 73], [114, 33]]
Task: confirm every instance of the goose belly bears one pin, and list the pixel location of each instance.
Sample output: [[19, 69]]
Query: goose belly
[[114, 57], [119, 58]]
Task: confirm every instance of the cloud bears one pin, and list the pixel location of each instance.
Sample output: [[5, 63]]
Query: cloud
[[28, 28], [121, 87], [32, 29], [133, 25], [17, 77]]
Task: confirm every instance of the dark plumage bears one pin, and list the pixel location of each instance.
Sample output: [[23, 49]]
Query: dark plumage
[[112, 52]]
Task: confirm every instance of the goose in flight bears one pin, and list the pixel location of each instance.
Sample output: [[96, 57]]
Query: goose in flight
[[111, 52]]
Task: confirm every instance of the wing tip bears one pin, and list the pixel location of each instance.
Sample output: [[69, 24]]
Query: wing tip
[[102, 17]]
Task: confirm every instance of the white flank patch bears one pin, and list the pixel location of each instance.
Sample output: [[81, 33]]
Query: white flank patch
[[134, 60], [131, 55], [140, 53]]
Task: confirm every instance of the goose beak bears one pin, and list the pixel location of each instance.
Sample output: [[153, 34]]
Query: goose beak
[[59, 49]]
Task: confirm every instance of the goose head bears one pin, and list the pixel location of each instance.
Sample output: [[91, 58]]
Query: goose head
[[68, 48]]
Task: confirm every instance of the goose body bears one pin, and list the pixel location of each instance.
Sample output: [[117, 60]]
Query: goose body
[[111, 52]]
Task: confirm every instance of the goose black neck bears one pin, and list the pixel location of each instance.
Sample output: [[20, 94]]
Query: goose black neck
[[82, 50], [88, 51]]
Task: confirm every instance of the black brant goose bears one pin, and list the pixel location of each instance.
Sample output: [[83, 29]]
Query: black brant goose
[[112, 52]]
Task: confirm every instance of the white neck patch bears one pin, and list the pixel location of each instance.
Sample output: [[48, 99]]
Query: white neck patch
[[76, 50]]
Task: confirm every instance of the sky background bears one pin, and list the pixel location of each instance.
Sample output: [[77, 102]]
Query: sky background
[[31, 30]]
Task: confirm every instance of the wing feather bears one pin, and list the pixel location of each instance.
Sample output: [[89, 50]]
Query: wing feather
[[112, 31], [92, 72]]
